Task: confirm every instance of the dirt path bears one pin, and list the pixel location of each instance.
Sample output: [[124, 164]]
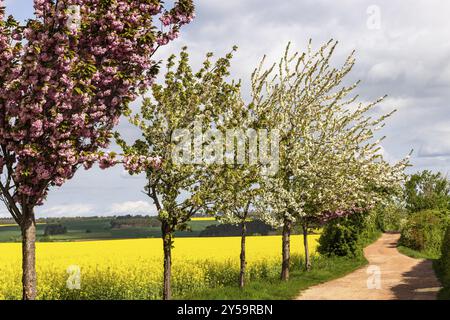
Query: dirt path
[[400, 277]]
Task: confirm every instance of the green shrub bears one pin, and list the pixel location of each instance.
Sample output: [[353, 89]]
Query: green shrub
[[444, 262], [347, 236], [370, 230], [424, 231], [338, 239]]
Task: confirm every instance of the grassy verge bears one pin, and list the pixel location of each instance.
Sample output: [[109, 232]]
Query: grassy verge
[[324, 269], [444, 293], [416, 254]]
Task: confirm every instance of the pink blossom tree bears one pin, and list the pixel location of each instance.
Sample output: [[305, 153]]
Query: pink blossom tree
[[64, 82]]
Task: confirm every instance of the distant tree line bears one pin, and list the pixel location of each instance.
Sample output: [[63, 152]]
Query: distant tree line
[[256, 227], [54, 229], [129, 221]]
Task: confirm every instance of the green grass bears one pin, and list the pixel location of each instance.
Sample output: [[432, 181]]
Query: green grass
[[324, 269], [444, 293], [417, 254]]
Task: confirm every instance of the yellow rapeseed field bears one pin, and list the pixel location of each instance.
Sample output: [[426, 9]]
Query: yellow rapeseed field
[[14, 225], [203, 219], [132, 269]]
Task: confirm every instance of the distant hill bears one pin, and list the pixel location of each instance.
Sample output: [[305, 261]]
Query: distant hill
[[98, 228]]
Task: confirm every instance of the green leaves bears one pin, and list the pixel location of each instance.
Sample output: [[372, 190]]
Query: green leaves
[[78, 90], [427, 190], [11, 22], [84, 70]]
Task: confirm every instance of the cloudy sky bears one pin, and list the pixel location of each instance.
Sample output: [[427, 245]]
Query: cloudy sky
[[402, 50]]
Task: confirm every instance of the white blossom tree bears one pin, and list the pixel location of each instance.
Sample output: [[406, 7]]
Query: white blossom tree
[[329, 158], [234, 195], [179, 185], [236, 180]]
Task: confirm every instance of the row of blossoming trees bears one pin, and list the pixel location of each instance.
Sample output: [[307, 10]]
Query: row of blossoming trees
[[64, 88], [329, 162]]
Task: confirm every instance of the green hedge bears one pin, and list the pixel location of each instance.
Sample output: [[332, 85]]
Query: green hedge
[[444, 262], [424, 231]]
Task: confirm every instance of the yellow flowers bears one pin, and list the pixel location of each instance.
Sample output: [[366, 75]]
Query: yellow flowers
[[132, 269], [203, 219]]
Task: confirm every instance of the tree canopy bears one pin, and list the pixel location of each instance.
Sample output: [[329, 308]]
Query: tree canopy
[[427, 190]]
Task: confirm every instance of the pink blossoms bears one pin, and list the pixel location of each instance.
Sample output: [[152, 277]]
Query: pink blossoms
[[63, 88]]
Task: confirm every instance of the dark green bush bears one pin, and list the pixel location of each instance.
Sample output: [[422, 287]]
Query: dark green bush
[[54, 229], [444, 262], [347, 236], [424, 231]]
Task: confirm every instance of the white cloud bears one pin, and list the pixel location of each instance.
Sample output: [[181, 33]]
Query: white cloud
[[444, 77], [67, 210], [435, 141], [79, 209], [132, 207], [3, 212], [384, 71]]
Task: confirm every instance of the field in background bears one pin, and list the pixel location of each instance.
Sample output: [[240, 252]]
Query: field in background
[[132, 269], [203, 219], [79, 229]]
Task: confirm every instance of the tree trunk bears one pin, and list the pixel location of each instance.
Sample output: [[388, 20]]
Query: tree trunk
[[167, 246], [305, 244], [286, 251], [243, 261], [28, 227]]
